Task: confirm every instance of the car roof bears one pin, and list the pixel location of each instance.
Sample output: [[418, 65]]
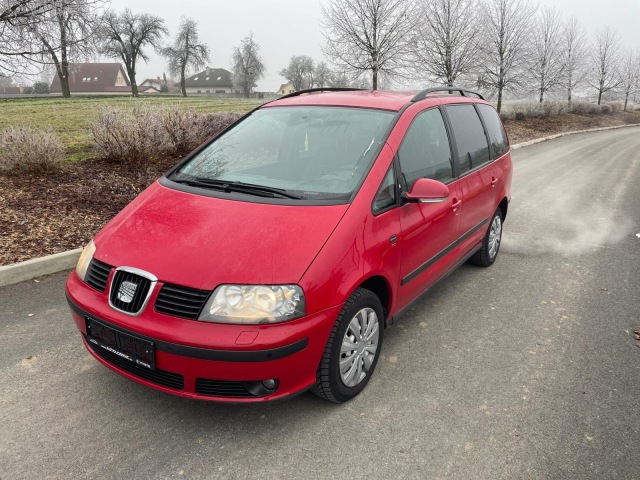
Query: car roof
[[359, 98], [380, 99]]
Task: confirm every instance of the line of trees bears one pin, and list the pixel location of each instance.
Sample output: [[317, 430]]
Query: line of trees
[[55, 33], [498, 46]]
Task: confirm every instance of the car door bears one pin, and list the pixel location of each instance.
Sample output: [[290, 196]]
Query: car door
[[476, 171], [429, 230]]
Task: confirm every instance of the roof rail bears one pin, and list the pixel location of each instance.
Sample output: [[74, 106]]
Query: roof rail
[[423, 94], [321, 89]]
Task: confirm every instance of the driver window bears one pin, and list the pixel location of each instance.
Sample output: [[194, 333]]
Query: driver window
[[425, 151]]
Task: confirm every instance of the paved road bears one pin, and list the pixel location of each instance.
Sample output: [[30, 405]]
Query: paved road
[[526, 370]]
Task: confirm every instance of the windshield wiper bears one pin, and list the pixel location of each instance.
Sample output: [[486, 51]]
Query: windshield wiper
[[240, 187]]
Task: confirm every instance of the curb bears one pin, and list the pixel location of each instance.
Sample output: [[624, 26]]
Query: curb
[[572, 132], [37, 267], [19, 272]]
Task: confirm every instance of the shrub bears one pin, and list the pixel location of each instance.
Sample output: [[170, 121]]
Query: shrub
[[549, 108], [128, 137], [28, 150], [143, 135], [606, 109], [580, 108], [41, 87], [616, 106], [187, 130], [520, 116], [594, 109]]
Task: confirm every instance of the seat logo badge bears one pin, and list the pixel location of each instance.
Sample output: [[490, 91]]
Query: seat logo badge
[[126, 291]]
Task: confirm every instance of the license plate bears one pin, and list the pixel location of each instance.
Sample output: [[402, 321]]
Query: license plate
[[134, 349]]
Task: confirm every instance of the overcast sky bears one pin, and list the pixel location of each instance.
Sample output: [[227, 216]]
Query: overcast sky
[[284, 28]]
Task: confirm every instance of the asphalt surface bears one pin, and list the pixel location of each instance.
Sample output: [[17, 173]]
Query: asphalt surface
[[528, 369]]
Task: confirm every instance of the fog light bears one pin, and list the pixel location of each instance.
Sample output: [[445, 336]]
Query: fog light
[[269, 384], [262, 388]]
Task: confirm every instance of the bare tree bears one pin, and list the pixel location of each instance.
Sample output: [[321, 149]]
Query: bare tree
[[338, 80], [547, 64], [69, 33], [370, 36], [630, 74], [507, 25], [126, 35], [322, 75], [6, 81], [186, 52], [604, 73], [300, 72], [575, 44], [248, 67], [17, 20], [447, 41], [52, 32]]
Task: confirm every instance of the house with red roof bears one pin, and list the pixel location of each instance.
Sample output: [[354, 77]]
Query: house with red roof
[[98, 79]]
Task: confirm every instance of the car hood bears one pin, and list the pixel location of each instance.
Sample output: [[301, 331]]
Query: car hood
[[201, 242]]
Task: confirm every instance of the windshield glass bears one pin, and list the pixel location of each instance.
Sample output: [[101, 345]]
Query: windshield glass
[[315, 152]]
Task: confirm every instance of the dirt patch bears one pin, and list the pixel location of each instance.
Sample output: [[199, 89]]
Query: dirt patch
[[532, 128], [41, 215]]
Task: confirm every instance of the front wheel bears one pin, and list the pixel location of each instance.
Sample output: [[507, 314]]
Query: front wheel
[[491, 242], [352, 351]]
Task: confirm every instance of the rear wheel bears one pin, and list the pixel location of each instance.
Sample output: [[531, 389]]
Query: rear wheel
[[352, 351], [491, 242]]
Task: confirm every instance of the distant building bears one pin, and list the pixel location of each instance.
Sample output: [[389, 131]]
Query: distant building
[[211, 80], [96, 79], [286, 88], [151, 82], [12, 90], [156, 83]]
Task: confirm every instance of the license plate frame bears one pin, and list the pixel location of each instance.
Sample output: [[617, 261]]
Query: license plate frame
[[136, 350]]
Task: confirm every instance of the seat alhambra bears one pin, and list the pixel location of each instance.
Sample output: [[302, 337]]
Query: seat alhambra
[[271, 259]]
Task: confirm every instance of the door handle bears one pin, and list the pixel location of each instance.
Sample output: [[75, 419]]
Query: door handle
[[456, 203], [494, 181]]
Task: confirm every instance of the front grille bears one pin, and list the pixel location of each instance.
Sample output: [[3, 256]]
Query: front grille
[[97, 275], [222, 388], [120, 299], [161, 377], [180, 301]]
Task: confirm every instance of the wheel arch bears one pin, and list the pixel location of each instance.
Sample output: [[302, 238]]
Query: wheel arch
[[504, 206], [380, 286]]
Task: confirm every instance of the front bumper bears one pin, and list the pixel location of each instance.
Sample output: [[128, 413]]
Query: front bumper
[[206, 360]]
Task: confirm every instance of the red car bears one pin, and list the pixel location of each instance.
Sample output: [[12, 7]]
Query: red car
[[270, 260]]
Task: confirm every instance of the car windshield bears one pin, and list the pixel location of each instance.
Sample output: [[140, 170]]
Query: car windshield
[[307, 152]]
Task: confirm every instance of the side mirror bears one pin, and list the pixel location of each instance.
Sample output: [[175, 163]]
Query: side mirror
[[426, 190]]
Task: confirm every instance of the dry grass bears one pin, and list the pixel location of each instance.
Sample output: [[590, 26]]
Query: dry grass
[[70, 118]]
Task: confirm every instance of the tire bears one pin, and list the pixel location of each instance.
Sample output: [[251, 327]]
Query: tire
[[491, 243], [361, 309]]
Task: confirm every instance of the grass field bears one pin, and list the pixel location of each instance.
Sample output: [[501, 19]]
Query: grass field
[[70, 117]]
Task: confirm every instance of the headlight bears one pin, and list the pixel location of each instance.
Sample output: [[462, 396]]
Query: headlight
[[254, 304], [85, 259]]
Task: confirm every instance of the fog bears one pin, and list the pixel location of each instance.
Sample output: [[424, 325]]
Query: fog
[[571, 197], [292, 27]]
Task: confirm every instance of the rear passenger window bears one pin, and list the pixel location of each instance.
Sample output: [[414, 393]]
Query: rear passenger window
[[425, 151], [495, 130], [473, 149]]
